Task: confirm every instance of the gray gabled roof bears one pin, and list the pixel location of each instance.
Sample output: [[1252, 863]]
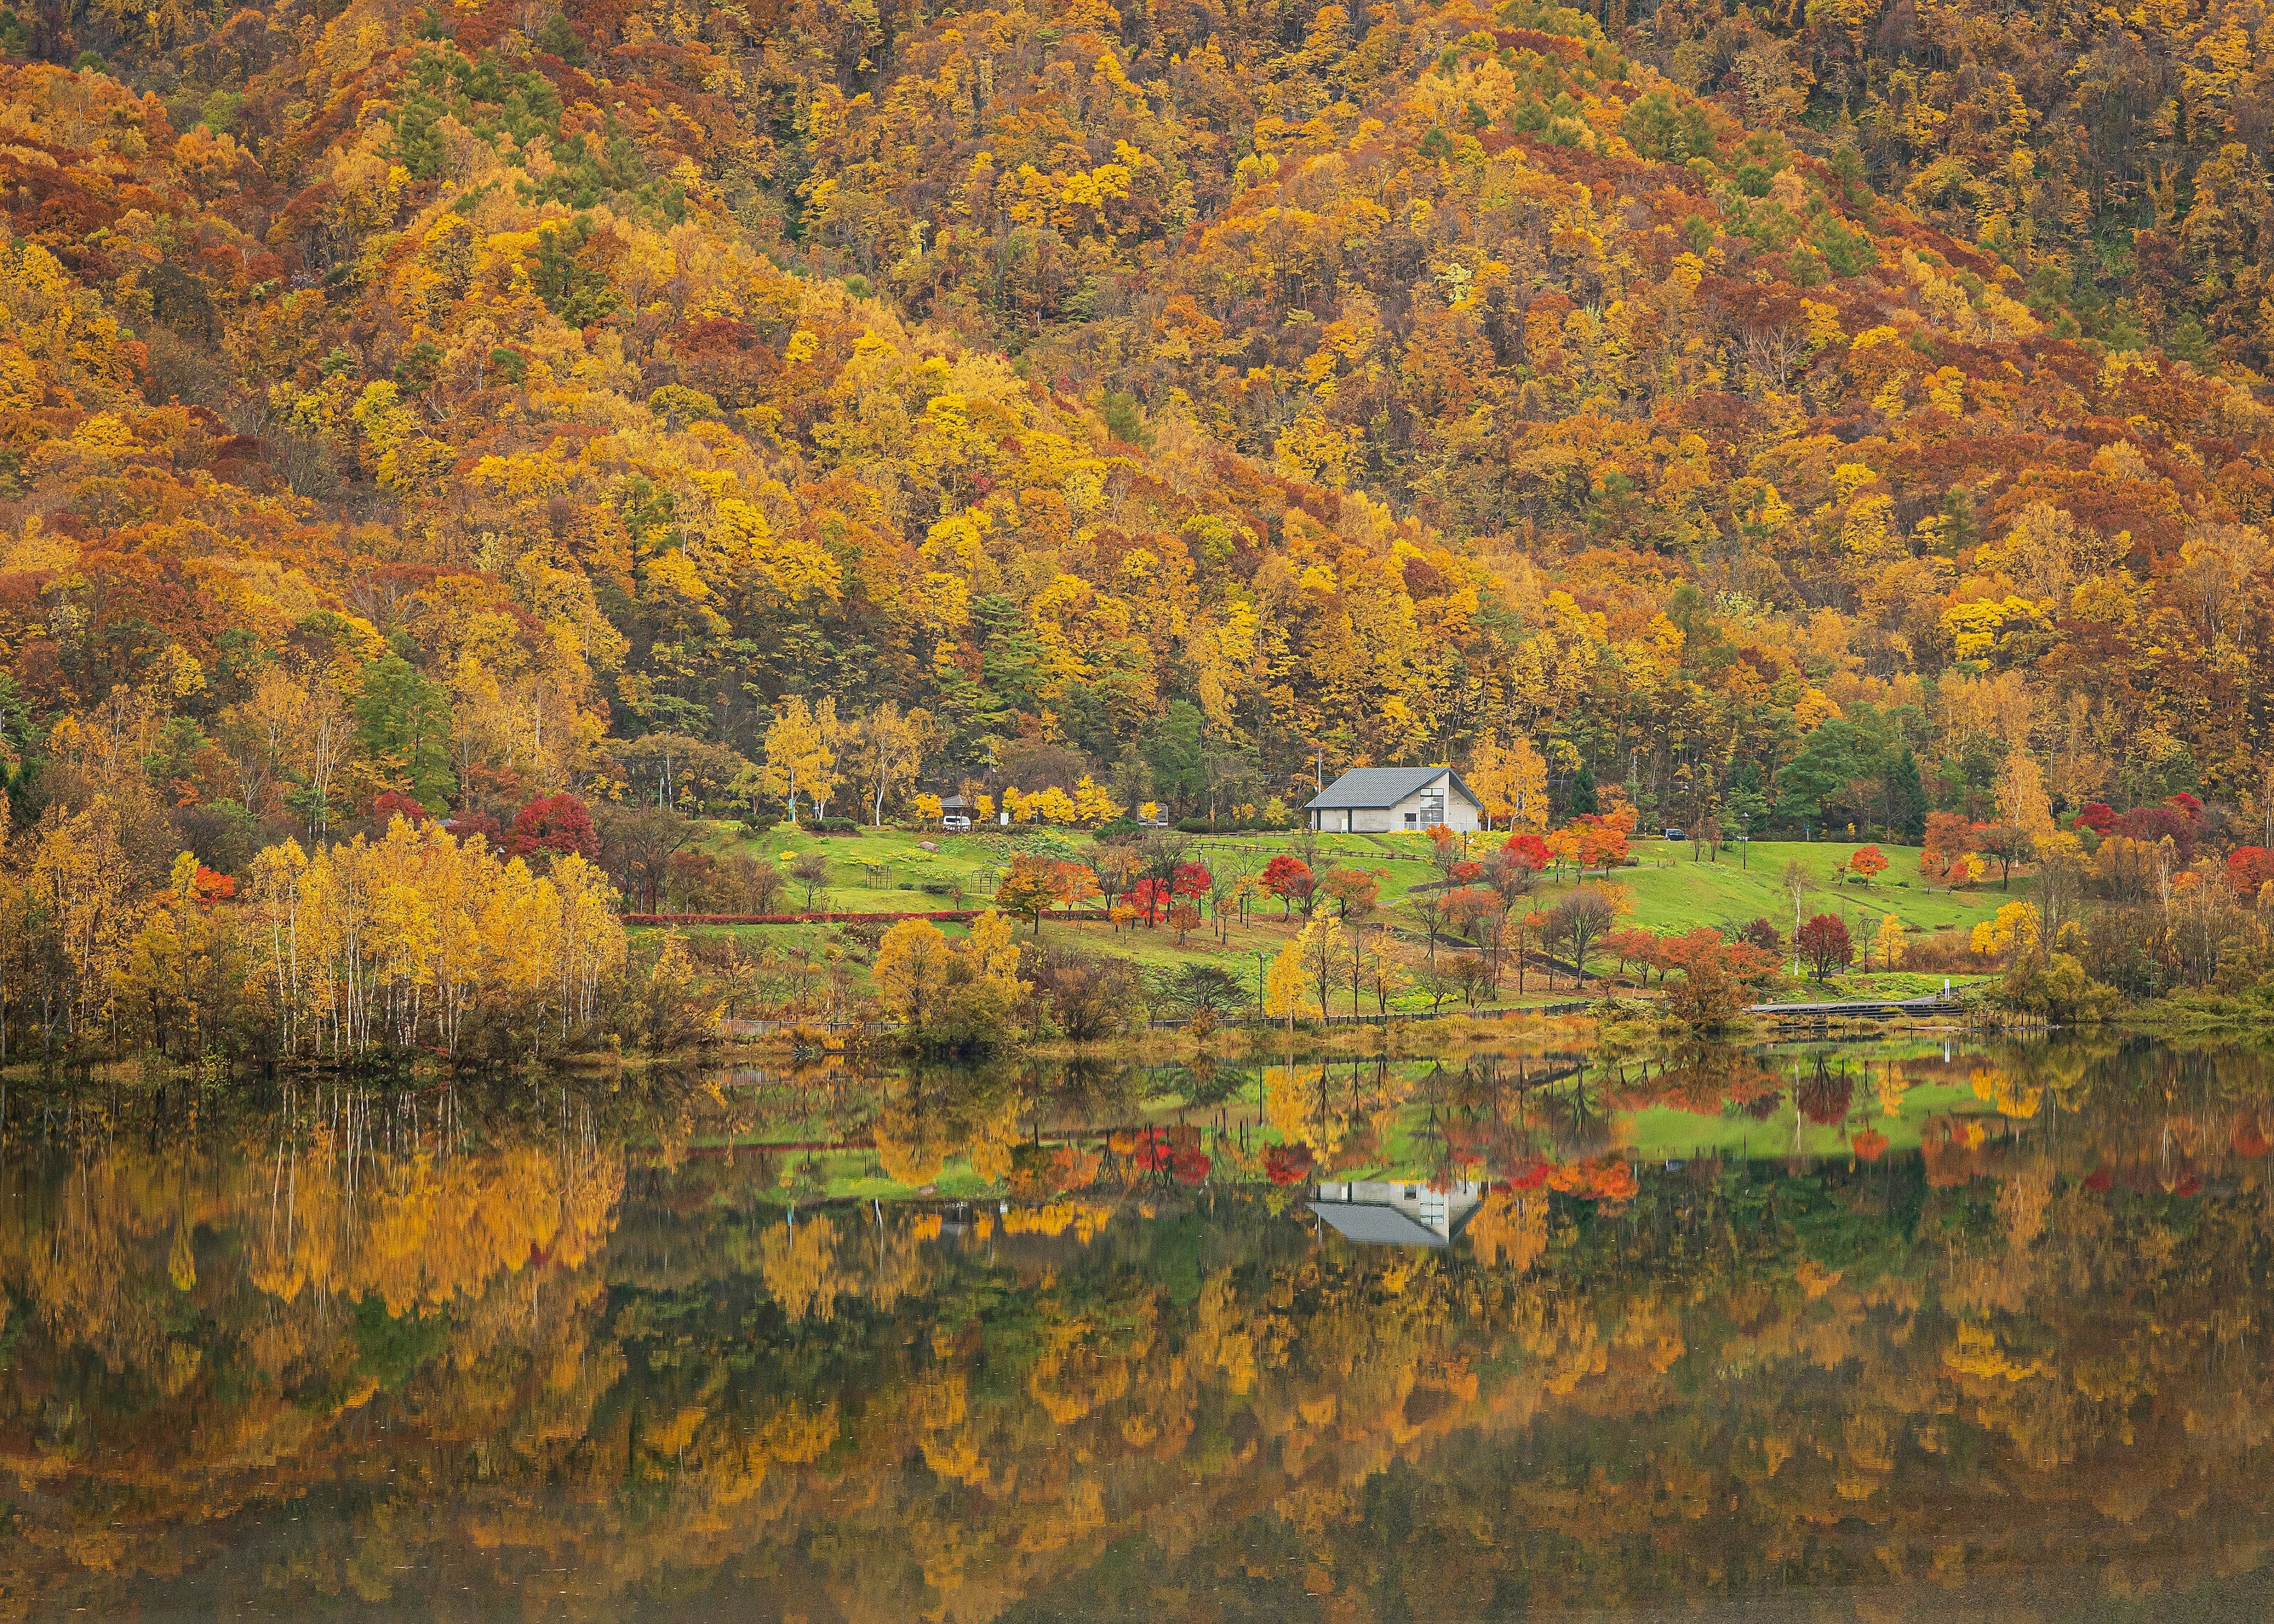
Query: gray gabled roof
[[1381, 1223], [1367, 788], [1377, 1226]]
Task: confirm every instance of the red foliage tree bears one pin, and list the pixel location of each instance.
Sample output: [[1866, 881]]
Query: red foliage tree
[[1287, 1164], [2003, 843], [1290, 879], [477, 826], [2247, 868], [2153, 825], [557, 824], [1529, 849], [1825, 945], [390, 804], [1713, 973]]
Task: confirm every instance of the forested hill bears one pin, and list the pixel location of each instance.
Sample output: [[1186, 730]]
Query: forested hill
[[1857, 410]]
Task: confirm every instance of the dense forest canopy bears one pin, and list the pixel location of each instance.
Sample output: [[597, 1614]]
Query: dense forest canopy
[[474, 402]]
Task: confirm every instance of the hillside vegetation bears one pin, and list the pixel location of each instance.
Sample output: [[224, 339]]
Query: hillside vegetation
[[1811, 422]]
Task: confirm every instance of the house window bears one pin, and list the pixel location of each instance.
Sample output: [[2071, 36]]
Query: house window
[[1433, 807], [1411, 821]]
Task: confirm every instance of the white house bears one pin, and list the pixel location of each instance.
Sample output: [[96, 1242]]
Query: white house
[[1389, 1214], [1380, 800]]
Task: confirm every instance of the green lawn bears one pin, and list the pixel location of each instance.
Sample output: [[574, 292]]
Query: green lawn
[[881, 871], [888, 871], [1673, 892]]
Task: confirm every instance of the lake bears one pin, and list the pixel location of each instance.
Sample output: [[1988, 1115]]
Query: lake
[[1920, 1329]]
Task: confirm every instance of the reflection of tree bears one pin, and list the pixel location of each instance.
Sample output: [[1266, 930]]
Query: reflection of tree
[[1823, 1094], [2030, 1350], [1703, 1078], [798, 1262]]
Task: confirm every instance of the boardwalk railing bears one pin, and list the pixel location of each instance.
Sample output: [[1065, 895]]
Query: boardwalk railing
[[1860, 1009]]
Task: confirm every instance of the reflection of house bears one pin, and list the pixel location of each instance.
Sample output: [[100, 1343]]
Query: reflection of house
[[1380, 800], [1394, 1214]]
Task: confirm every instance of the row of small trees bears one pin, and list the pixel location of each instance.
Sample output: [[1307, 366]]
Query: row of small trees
[[416, 939]]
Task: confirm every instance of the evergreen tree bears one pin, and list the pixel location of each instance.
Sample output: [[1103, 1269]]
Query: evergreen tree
[[1907, 798], [402, 724], [1584, 799]]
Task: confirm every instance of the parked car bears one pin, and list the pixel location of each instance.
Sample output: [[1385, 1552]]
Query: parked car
[[1674, 834], [956, 824]]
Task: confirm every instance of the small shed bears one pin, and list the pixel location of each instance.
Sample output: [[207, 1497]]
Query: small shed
[[1383, 800]]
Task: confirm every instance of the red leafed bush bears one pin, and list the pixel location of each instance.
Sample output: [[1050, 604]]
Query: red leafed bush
[[1287, 1164], [389, 804], [1529, 1174]]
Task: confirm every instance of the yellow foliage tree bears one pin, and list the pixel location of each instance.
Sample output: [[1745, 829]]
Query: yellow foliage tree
[[2014, 932], [801, 753]]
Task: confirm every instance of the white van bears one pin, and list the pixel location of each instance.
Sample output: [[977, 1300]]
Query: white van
[[955, 824]]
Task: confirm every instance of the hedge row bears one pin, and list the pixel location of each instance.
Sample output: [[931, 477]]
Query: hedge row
[[961, 915]]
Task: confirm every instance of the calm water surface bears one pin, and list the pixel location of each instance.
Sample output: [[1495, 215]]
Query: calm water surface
[[1913, 1330]]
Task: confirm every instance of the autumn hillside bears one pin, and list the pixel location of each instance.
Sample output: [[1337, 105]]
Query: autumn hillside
[[444, 409]]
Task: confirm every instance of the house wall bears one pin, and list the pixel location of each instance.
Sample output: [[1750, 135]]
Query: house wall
[[1459, 816]]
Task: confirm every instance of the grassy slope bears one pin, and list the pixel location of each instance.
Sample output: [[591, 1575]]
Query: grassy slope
[[1671, 892], [885, 872]]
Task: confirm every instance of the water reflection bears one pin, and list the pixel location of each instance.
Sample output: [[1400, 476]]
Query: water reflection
[[1874, 1332]]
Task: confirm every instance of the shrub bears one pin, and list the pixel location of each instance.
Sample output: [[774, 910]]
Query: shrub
[[1943, 951], [700, 882], [1088, 998]]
